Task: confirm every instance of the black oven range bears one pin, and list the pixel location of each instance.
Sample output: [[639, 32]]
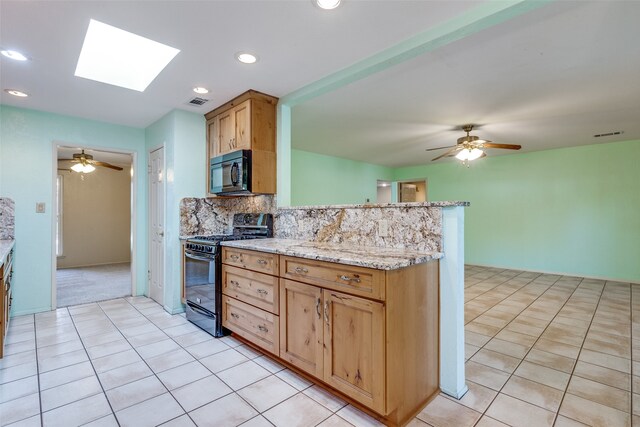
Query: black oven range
[[203, 265]]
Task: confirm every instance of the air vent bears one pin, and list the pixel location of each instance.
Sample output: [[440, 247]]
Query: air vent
[[618, 132], [197, 101]]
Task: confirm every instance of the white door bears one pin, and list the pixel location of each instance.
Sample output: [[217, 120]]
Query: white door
[[156, 225]]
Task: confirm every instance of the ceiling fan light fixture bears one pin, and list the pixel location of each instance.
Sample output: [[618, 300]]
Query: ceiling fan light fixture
[[328, 4], [467, 155], [80, 168]]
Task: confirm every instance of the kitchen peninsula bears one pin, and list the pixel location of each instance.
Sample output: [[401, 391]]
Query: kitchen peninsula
[[350, 296]]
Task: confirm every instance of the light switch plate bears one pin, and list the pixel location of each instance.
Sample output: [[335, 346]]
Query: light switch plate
[[383, 228], [40, 207]]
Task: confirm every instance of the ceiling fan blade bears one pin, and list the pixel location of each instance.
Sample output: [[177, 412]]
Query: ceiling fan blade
[[68, 160], [505, 146], [448, 153], [106, 165], [439, 148]]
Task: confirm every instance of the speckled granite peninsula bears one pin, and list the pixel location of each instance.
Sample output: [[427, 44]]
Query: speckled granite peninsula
[[413, 226], [7, 218], [362, 256], [416, 226]]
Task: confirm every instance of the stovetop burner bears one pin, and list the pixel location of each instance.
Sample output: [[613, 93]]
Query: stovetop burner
[[245, 227]]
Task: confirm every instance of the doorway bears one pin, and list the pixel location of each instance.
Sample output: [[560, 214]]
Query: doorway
[[156, 225], [93, 225]]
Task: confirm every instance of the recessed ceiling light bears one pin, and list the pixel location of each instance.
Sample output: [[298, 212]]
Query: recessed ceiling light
[[16, 93], [328, 4], [120, 58], [246, 58], [200, 89], [13, 54]]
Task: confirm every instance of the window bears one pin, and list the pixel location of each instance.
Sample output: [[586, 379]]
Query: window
[[59, 182]]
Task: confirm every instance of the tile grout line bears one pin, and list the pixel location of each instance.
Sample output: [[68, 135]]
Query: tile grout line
[[564, 394], [35, 343], [196, 360], [95, 373], [484, 413]]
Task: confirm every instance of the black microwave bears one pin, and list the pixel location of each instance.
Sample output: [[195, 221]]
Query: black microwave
[[231, 173]]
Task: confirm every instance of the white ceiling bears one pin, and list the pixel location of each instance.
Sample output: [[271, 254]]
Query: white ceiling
[[550, 78], [297, 44], [119, 159]]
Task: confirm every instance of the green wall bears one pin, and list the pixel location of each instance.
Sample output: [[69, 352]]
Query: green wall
[[324, 180], [571, 210], [27, 140], [183, 136]]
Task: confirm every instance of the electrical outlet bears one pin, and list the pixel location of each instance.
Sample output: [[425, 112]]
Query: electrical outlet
[[383, 228], [40, 207]]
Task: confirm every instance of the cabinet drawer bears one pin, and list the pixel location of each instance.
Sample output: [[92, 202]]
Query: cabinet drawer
[[362, 281], [256, 325], [251, 260], [257, 289]]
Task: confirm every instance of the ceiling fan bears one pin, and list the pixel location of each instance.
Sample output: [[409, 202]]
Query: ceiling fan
[[84, 163], [471, 147]]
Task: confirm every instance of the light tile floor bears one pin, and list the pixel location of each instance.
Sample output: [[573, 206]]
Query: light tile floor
[[541, 350]]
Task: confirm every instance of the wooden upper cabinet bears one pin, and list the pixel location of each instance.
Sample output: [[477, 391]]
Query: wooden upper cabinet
[[354, 348], [248, 122]]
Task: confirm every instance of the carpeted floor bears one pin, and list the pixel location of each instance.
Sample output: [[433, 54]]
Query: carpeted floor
[[91, 284]]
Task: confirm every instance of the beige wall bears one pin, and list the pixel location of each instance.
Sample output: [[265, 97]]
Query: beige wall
[[96, 217]]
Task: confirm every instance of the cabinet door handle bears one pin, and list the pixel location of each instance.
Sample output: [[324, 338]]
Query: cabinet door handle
[[354, 279], [263, 328], [235, 316], [318, 307], [301, 270], [326, 312], [234, 257], [262, 261], [262, 291]]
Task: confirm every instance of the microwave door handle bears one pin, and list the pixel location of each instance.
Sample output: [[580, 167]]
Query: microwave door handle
[[234, 174], [189, 255]]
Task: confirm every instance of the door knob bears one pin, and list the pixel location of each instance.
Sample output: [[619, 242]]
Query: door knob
[[161, 234]]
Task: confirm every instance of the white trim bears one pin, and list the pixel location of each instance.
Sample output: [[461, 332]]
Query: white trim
[[150, 222], [59, 216], [452, 368], [54, 208], [609, 279]]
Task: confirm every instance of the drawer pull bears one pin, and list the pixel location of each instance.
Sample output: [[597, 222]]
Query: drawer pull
[[262, 262], [234, 257], [235, 316], [301, 270], [234, 283], [354, 279], [262, 291], [326, 312], [263, 328], [318, 307]]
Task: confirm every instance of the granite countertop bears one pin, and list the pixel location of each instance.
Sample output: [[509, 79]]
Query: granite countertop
[[443, 204], [362, 256], [5, 247]]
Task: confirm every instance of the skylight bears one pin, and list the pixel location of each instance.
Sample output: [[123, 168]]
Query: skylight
[[117, 57]]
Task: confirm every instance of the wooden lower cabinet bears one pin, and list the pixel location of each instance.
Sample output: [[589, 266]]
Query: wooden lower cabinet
[[381, 353], [301, 326], [354, 352]]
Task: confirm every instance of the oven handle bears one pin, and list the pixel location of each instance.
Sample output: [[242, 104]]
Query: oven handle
[[199, 310], [190, 255]]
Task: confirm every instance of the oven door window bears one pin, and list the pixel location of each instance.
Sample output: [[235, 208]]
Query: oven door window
[[200, 277]]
